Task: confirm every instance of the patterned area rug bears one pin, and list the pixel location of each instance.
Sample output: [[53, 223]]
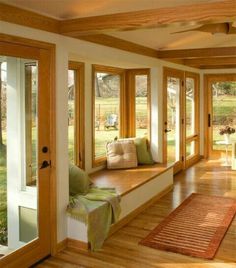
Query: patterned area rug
[[195, 228]]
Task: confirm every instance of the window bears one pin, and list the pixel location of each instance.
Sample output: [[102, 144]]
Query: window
[[141, 104], [107, 92], [76, 113], [120, 106], [137, 86]]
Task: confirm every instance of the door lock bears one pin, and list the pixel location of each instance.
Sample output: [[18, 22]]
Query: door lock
[[45, 149], [167, 130]]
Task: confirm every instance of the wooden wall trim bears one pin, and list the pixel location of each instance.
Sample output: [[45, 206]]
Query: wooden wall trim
[[53, 139], [28, 18], [73, 243], [62, 245]]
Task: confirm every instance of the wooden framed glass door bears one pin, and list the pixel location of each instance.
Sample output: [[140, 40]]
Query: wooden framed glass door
[[181, 118], [25, 166], [173, 117], [220, 99], [191, 119]]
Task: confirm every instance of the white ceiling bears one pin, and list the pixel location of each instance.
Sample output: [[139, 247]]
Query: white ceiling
[[163, 38], [67, 9]]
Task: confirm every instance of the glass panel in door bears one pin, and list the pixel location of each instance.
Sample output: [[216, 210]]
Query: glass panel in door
[[190, 107], [172, 129], [223, 114], [18, 153]]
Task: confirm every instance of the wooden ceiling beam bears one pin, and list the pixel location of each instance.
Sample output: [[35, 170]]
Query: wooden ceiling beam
[[210, 61], [196, 53], [223, 11], [110, 41], [31, 19], [233, 66]]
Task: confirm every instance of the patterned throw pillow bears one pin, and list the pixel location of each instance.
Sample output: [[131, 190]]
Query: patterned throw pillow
[[121, 154]]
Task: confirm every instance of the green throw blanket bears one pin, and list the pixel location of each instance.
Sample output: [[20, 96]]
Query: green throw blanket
[[98, 209]]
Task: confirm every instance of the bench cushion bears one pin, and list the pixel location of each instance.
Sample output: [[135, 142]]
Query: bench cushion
[[121, 154]]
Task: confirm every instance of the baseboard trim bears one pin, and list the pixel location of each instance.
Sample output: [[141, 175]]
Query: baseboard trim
[[73, 243], [190, 162], [62, 245], [77, 244], [115, 227]]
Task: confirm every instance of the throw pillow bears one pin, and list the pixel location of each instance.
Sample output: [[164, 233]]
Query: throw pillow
[[121, 154], [143, 153], [79, 181]]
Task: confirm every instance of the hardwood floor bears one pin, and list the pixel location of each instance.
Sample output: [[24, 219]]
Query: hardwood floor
[[122, 248]]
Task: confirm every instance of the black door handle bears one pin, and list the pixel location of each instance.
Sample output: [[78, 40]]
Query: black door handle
[[45, 164], [167, 130], [209, 120]]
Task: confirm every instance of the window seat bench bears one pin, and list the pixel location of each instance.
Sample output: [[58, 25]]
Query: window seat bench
[[138, 187]]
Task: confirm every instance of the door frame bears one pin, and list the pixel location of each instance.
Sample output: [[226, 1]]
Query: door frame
[[189, 161], [208, 80], [21, 257], [178, 74]]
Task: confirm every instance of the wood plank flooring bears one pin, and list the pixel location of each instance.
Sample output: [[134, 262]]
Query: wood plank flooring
[[122, 248]]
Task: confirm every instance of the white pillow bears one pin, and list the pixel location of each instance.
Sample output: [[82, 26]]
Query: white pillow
[[121, 154]]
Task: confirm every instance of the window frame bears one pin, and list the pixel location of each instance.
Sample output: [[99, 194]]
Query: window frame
[[127, 116], [99, 161], [131, 106], [79, 145]]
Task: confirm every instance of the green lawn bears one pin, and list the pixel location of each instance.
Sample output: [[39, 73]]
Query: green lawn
[[3, 197], [107, 106]]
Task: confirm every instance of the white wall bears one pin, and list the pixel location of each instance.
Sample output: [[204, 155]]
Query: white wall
[[73, 49]]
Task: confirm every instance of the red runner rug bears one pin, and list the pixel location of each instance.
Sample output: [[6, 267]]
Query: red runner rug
[[195, 228]]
